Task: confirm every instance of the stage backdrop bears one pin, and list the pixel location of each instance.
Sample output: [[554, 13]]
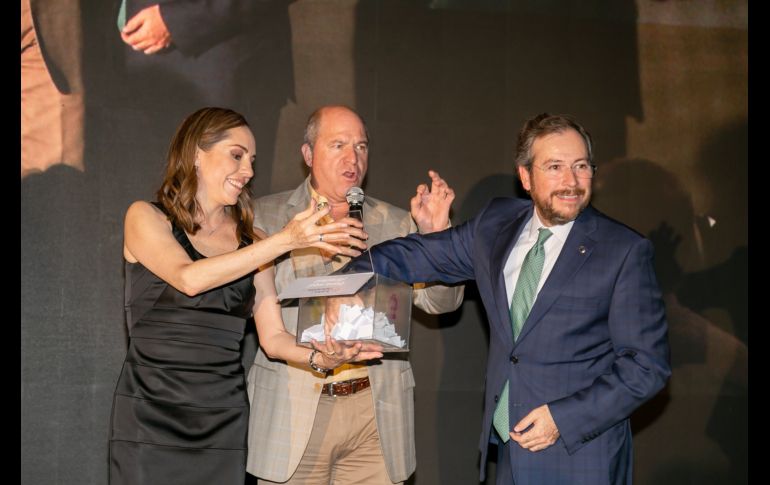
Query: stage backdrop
[[442, 84]]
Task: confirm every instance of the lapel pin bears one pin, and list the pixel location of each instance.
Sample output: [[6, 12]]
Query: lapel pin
[[582, 249]]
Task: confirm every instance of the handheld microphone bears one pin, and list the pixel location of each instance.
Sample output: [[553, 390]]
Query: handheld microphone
[[355, 198]]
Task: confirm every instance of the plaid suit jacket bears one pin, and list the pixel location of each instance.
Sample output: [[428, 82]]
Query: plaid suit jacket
[[284, 397]]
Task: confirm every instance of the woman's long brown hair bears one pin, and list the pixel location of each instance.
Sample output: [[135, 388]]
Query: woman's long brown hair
[[201, 129]]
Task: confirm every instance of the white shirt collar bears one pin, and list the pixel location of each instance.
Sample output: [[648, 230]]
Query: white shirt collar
[[560, 231]]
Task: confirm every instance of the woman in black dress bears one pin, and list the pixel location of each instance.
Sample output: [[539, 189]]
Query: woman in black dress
[[180, 410]]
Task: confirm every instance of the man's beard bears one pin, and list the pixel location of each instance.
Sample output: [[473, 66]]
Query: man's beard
[[554, 216]]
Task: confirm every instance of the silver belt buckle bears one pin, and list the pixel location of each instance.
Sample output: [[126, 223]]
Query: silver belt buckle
[[330, 389]]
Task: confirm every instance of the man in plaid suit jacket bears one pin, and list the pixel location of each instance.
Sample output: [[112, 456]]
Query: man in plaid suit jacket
[[296, 434]]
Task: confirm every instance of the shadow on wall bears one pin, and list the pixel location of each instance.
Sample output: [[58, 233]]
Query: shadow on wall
[[720, 283], [701, 415]]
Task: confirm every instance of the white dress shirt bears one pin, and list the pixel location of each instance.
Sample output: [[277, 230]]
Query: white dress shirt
[[527, 239]]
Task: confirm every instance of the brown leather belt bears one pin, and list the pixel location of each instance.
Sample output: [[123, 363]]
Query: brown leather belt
[[344, 388]]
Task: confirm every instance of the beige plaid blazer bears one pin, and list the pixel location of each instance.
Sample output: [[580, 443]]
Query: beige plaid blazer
[[284, 397]]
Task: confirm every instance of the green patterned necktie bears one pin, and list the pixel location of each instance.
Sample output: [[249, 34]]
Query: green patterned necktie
[[521, 303], [122, 15]]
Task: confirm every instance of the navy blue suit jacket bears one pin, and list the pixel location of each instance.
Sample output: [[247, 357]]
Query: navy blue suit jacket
[[593, 348]]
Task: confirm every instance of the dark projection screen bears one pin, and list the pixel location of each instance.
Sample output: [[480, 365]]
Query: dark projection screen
[[661, 85]]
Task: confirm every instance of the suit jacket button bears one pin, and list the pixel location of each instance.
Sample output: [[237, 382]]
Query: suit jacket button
[[514, 359], [497, 398]]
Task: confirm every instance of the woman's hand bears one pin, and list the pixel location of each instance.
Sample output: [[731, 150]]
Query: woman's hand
[[344, 236], [334, 353]]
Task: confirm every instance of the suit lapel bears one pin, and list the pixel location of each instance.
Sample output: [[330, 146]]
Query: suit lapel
[[373, 222], [305, 261], [576, 251], [298, 200], [504, 242]]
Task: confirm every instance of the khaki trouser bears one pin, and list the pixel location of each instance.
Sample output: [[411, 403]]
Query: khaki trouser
[[51, 122], [344, 446]]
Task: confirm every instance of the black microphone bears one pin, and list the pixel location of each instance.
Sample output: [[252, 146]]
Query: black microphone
[[355, 198]]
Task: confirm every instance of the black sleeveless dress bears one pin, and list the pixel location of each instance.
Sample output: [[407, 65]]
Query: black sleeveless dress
[[180, 412]]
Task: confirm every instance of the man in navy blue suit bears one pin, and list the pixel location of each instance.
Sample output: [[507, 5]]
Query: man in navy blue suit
[[578, 333]]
